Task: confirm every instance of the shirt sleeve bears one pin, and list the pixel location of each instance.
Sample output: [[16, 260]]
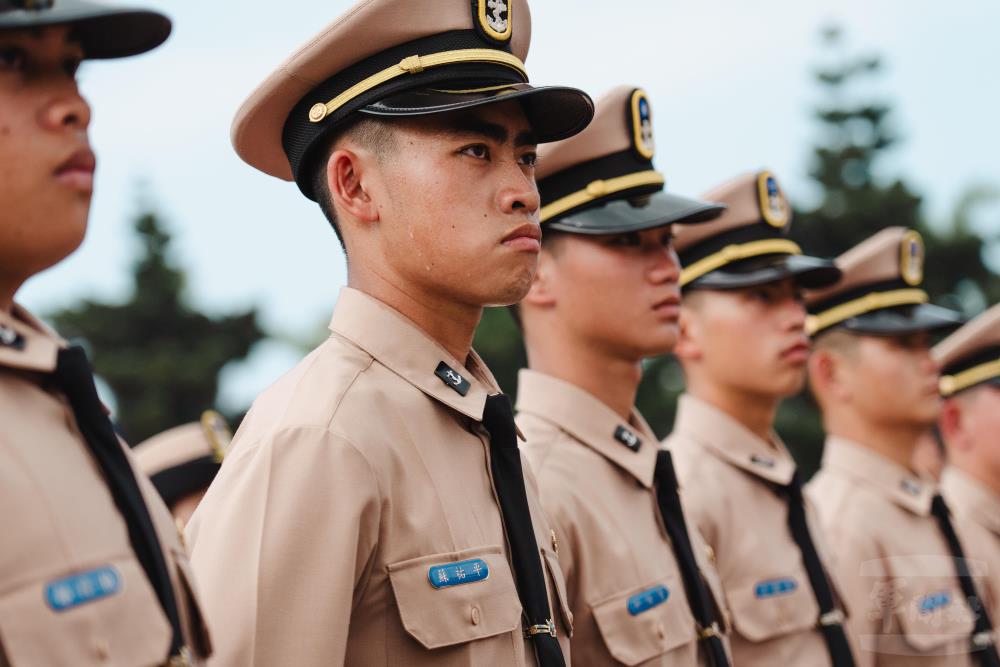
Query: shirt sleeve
[[280, 544]]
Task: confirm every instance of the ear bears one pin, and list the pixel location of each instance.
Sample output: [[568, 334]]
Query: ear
[[541, 294], [687, 346], [345, 176], [826, 375], [950, 423]]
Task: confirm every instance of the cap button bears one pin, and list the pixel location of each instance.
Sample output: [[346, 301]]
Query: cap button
[[317, 112]]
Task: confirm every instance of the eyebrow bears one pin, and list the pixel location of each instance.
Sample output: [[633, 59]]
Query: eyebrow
[[498, 133]]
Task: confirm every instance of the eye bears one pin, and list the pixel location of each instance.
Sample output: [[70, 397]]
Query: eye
[[761, 294], [478, 151], [529, 159], [667, 239], [624, 240], [72, 65], [12, 58]]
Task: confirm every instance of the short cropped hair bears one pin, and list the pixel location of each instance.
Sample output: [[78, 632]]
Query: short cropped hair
[[374, 134]]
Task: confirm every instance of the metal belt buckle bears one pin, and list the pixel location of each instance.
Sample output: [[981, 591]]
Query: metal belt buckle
[[182, 659], [711, 631], [832, 617], [546, 628], [984, 639]]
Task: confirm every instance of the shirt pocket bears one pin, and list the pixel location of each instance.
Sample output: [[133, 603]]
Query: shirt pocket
[[105, 614], [772, 606], [642, 623], [196, 628], [559, 584], [933, 615], [454, 598]]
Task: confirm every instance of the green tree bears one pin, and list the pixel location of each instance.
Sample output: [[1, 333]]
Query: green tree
[[159, 355]]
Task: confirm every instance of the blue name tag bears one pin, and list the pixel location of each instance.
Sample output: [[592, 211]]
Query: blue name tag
[[70, 592], [647, 599], [774, 587], [934, 601], [456, 574]]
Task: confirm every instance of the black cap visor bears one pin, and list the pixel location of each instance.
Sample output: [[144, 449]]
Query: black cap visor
[[103, 32], [808, 272], [637, 214], [554, 112], [903, 320]]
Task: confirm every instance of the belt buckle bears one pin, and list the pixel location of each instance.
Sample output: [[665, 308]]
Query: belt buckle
[[711, 631], [832, 617], [546, 628]]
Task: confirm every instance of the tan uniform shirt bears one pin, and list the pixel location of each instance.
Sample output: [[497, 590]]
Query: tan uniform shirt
[[625, 588], [976, 512], [726, 475], [353, 485], [893, 560], [72, 591]]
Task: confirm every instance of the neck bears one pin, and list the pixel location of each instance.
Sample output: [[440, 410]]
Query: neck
[[754, 411], [451, 324], [892, 441], [612, 380], [980, 473]]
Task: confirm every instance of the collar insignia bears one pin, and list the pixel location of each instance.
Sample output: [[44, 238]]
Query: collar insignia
[[452, 378], [492, 19], [10, 338], [774, 208], [911, 258], [628, 438]]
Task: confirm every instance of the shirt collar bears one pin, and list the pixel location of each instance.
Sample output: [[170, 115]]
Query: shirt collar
[[966, 494], [404, 348], [630, 444], [887, 477], [732, 441], [26, 343]]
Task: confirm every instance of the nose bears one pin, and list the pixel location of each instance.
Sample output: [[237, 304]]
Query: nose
[[519, 193], [66, 109], [665, 266], [796, 314]]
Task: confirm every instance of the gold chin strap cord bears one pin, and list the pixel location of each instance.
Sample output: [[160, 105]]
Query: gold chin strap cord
[[415, 65], [736, 252], [952, 384], [600, 188], [862, 305]]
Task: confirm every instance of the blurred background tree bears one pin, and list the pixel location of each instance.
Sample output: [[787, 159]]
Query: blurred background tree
[[855, 132], [159, 355]]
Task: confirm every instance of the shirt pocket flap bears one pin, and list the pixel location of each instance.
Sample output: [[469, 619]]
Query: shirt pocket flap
[[559, 584], [772, 607], [197, 628], [642, 623], [102, 615], [454, 598], [934, 615]]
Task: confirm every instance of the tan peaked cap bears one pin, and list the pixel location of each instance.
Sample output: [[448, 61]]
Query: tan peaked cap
[[976, 337], [609, 132], [877, 259], [183, 444], [744, 207], [367, 28]]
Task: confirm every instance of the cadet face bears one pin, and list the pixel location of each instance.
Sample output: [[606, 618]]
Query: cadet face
[[458, 205], [977, 424], [618, 291], [894, 379], [46, 167], [752, 339]]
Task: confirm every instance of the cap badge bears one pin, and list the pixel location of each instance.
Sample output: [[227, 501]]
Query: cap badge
[[774, 207], [455, 574], [452, 378], [628, 438], [493, 20], [911, 258], [641, 115]]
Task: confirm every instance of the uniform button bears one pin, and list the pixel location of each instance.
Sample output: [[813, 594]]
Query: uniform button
[[101, 649], [660, 631], [710, 553], [475, 615]]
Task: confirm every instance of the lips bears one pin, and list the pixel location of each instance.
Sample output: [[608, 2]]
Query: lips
[[798, 352], [527, 237], [77, 172]]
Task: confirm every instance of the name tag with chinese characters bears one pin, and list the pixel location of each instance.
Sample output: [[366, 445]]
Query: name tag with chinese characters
[[774, 587], [70, 592], [456, 574], [647, 599]]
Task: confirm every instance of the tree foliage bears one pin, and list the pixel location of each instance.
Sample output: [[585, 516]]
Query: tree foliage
[[160, 356]]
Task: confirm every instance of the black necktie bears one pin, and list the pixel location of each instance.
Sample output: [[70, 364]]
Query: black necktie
[[831, 618], [74, 378], [505, 462], [983, 645], [694, 585]]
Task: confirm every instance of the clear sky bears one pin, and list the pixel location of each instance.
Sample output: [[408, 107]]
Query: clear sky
[[729, 81]]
